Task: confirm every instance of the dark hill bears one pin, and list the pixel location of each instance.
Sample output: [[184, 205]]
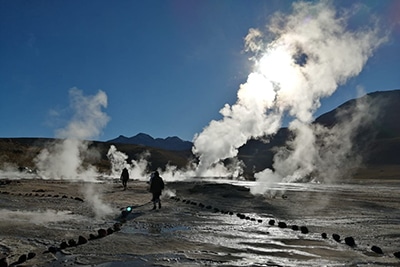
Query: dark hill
[[378, 141], [169, 143], [20, 152]]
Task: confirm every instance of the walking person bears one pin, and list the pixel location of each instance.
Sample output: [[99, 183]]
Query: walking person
[[156, 187], [125, 178]]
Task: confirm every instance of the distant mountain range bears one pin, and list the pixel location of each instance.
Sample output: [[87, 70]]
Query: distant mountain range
[[170, 143]]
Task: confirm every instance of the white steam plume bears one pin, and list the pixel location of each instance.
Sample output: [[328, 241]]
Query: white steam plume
[[137, 169], [64, 158], [311, 54]]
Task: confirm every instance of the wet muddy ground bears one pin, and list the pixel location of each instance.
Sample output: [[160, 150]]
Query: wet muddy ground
[[51, 223]]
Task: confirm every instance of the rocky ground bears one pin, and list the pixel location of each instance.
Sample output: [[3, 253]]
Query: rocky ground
[[54, 223]]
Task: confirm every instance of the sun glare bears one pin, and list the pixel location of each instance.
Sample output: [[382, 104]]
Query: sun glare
[[276, 64]]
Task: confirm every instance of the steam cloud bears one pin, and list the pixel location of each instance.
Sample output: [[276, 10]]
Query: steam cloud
[[137, 169], [64, 158], [302, 58]]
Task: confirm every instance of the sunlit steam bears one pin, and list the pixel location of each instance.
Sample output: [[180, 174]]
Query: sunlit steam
[[64, 158], [304, 57], [138, 169]]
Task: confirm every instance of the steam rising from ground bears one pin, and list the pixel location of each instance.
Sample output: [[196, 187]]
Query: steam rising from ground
[[64, 158], [137, 169], [39, 217], [302, 58]]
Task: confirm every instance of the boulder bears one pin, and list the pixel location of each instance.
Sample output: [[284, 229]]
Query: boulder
[[282, 225], [117, 227], [63, 245], [397, 254], [102, 233], [336, 237], [377, 250], [3, 262], [350, 241], [22, 258], [52, 249], [72, 243], [271, 222], [92, 236], [304, 230], [324, 235], [82, 240]]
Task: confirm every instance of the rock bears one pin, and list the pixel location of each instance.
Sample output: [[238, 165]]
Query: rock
[[52, 249], [336, 237], [282, 225], [3, 262], [304, 230], [117, 227], [82, 240], [377, 250], [259, 221], [397, 254], [71, 243], [324, 235], [63, 245], [241, 216], [22, 258], [110, 231], [350, 241], [79, 199], [31, 255], [271, 222], [295, 228], [92, 236], [102, 233]]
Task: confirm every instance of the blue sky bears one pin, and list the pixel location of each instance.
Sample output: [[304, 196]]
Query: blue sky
[[167, 67]]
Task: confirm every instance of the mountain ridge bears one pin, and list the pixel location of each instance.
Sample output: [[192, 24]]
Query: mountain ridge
[[173, 143]]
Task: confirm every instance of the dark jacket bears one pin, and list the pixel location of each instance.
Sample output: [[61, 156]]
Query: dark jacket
[[156, 184], [125, 175]]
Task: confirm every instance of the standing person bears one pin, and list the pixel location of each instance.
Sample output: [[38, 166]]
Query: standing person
[[156, 186], [125, 177]]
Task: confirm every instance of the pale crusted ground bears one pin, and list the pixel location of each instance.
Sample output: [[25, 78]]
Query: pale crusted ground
[[202, 227]]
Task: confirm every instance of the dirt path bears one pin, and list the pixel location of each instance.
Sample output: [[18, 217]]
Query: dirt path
[[203, 224]]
